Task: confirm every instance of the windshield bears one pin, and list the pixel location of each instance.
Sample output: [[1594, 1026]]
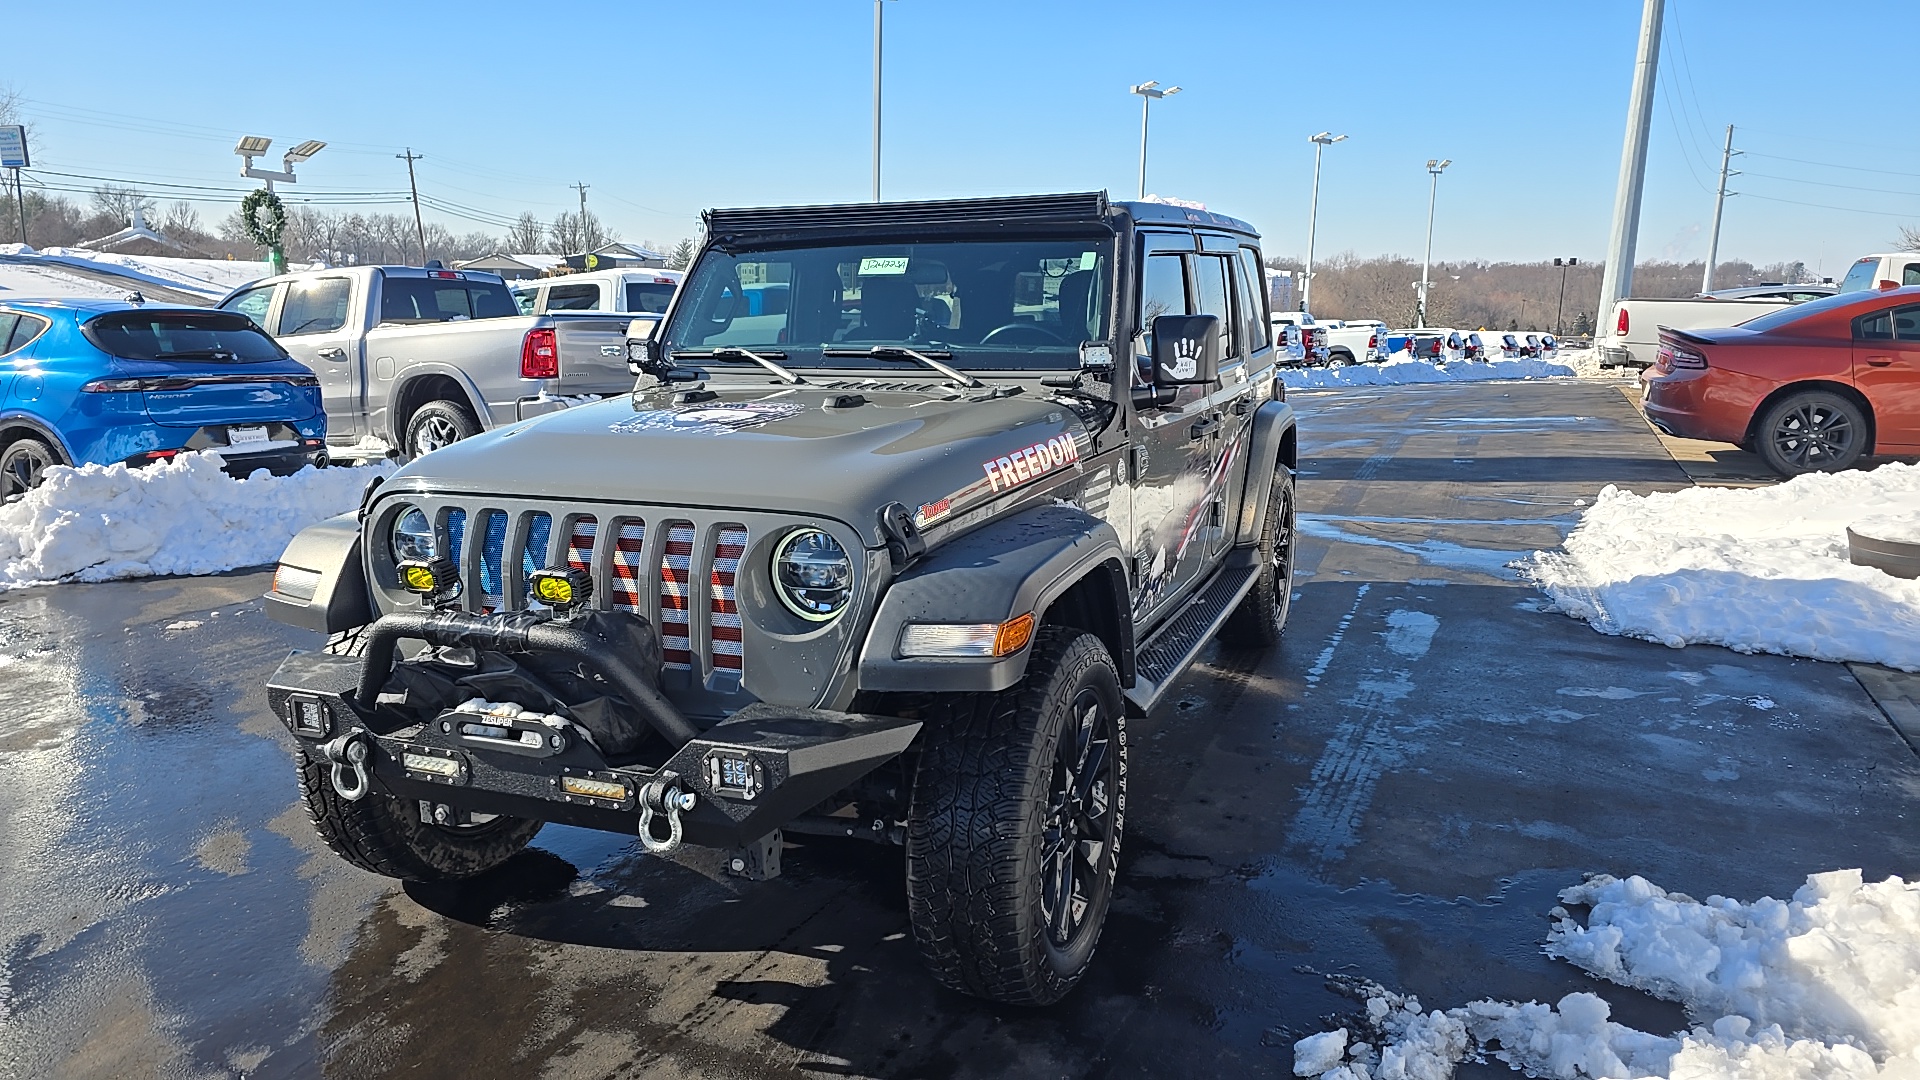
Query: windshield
[[1779, 317], [182, 335], [999, 304], [650, 297]]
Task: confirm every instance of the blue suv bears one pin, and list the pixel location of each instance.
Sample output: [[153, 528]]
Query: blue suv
[[109, 380]]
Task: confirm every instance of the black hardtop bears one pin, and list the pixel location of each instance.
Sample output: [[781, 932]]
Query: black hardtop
[[1084, 209]]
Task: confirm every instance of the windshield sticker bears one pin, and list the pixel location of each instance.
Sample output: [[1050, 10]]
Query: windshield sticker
[[714, 418], [1088, 258], [880, 266], [1031, 462]]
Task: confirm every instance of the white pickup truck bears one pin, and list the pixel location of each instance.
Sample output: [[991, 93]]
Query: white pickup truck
[[1882, 271], [1333, 341], [636, 292], [1631, 334], [417, 358]]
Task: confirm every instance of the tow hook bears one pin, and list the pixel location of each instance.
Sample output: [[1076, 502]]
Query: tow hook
[[663, 796], [349, 755]]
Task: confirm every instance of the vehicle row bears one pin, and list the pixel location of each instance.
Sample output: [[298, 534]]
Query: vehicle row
[[1443, 345]]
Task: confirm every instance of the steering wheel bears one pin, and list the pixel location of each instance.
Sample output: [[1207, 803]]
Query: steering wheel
[[1044, 335]]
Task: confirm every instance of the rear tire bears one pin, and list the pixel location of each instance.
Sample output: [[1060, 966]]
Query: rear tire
[[1013, 837], [437, 424], [384, 835], [1811, 431], [1262, 615], [22, 465]]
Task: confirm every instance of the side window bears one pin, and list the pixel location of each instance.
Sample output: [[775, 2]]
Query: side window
[[1253, 297], [1906, 323], [7, 319], [23, 332], [1910, 275], [253, 303], [583, 297], [526, 300], [1210, 289], [317, 306], [1874, 326]]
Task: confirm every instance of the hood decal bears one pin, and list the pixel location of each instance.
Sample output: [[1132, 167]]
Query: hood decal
[[707, 417], [1031, 462]]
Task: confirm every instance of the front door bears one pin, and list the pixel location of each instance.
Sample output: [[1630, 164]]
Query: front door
[[1173, 443], [1886, 368], [313, 327]]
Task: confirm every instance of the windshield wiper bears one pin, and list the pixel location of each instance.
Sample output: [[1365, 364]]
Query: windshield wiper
[[735, 352], [901, 352]]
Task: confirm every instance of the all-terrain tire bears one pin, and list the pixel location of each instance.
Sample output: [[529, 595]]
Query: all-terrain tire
[[1003, 826], [1262, 615], [384, 835], [437, 424], [1811, 431]]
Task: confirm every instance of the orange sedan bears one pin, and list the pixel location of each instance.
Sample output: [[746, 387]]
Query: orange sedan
[[1810, 388]]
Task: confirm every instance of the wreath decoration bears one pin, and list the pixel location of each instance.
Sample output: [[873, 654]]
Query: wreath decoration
[[264, 216]]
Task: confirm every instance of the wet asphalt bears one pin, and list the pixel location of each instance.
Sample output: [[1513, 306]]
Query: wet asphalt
[[1395, 794]]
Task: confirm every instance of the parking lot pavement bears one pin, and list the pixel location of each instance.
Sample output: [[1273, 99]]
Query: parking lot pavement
[[1395, 794]]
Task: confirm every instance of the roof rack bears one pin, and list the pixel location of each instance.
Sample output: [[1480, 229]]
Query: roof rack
[[1083, 208]]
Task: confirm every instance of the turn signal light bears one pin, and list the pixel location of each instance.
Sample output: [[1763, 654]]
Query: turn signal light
[[967, 639]]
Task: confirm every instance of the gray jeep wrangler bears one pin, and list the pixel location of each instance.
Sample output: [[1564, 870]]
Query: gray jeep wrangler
[[912, 507]]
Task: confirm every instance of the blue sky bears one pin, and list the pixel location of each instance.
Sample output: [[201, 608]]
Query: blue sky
[[666, 108]]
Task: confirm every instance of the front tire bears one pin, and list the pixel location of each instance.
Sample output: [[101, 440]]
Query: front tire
[[1811, 431], [1262, 615], [384, 835], [1013, 837], [437, 424]]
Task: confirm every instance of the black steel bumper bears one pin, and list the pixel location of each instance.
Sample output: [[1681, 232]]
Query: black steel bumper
[[750, 774]]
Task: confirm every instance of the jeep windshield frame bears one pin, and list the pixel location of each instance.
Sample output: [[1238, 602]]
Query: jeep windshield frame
[[993, 303]]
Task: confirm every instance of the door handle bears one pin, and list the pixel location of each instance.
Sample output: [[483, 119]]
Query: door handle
[[1203, 428], [1879, 361], [331, 353]]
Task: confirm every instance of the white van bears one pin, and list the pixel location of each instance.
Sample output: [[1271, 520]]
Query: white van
[[637, 292]]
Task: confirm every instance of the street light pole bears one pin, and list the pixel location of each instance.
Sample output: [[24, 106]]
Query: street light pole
[[253, 146], [1320, 142], [1561, 307], [878, 17], [1434, 167], [1148, 91]]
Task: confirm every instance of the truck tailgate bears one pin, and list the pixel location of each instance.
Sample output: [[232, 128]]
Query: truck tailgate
[[593, 352]]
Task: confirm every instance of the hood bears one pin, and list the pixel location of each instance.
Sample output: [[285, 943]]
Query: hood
[[833, 450]]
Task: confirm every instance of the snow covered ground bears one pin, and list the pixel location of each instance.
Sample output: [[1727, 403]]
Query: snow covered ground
[[1756, 569], [184, 516], [212, 278], [1823, 986], [1409, 372], [48, 280]]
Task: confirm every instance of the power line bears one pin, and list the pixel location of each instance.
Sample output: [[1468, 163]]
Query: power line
[[1842, 187], [1833, 165], [1825, 206]]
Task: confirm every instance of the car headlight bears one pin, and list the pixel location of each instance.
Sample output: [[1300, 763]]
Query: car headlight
[[812, 574], [413, 539]]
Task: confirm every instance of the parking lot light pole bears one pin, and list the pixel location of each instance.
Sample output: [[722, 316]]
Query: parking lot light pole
[[1320, 143], [878, 18], [1148, 91], [253, 146], [1435, 167], [1561, 307]]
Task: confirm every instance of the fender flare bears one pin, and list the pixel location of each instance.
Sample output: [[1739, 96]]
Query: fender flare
[[1019, 564], [41, 429], [1275, 443], [330, 552], [476, 401]]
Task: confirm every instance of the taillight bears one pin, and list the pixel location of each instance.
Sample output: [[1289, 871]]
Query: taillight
[[540, 355], [1685, 357], [1373, 341], [1620, 322]]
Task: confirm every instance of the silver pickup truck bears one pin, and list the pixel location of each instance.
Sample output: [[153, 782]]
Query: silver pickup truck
[[421, 357]]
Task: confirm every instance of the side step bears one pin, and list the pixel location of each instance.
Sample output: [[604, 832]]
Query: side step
[[1168, 652]]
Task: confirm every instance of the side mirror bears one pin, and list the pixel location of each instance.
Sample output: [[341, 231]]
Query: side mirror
[[1186, 349]]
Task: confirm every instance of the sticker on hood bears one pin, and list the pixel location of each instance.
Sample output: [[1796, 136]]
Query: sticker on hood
[[1031, 462], [708, 418]]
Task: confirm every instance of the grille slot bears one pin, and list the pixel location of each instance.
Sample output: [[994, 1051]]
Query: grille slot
[[676, 567], [580, 543], [723, 612], [629, 551]]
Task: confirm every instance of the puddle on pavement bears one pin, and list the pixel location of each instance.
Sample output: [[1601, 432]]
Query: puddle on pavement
[[1492, 562]]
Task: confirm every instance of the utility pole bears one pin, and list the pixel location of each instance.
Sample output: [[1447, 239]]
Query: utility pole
[[419, 227], [582, 189], [1719, 204], [1320, 142], [877, 20], [1435, 167], [1616, 281]]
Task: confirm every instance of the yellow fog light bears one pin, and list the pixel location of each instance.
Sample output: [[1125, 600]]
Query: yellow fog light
[[594, 789], [429, 578], [560, 587]]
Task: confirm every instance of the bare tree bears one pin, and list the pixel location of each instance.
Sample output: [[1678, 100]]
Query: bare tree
[[573, 233], [1909, 239], [120, 202], [182, 223], [526, 235]]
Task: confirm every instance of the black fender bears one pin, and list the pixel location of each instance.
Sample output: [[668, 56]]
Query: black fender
[[321, 582], [41, 429], [1020, 564], [1275, 443]]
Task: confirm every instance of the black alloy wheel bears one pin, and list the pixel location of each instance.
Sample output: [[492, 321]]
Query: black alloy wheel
[[1076, 874], [1812, 431], [23, 464]]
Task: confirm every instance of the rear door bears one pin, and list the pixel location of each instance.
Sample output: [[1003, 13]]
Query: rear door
[[1886, 368], [315, 326]]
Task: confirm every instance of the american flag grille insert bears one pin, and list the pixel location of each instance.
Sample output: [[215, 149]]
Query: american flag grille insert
[[539, 535], [730, 543], [676, 567], [493, 550], [629, 548], [580, 543]]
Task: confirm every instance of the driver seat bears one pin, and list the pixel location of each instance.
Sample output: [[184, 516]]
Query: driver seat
[[887, 309]]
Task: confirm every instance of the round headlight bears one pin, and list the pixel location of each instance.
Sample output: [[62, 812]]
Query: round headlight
[[812, 574], [413, 537]]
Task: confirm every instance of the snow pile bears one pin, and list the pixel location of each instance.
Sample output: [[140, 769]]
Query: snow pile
[[185, 516], [1407, 372], [1756, 569], [212, 278], [1898, 528], [1826, 985]]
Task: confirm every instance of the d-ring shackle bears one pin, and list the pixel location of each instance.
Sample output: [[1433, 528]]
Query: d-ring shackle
[[349, 755]]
